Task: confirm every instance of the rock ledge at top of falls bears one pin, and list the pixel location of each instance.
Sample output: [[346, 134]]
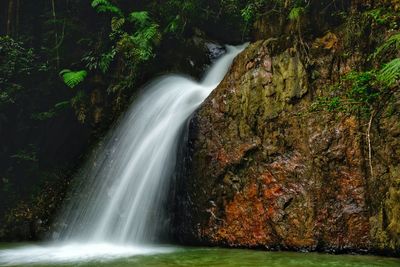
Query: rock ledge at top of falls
[[262, 171]]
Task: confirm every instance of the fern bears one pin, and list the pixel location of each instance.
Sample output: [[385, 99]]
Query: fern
[[390, 73], [247, 13], [143, 41], [296, 13], [140, 18], [117, 23], [106, 59], [96, 3], [392, 43], [73, 78], [104, 6]]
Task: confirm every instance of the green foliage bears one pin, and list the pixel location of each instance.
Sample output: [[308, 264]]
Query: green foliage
[[134, 47], [390, 73], [393, 43], [248, 13], [42, 116], [356, 93], [140, 18], [362, 89], [104, 6], [296, 13], [377, 16], [383, 16], [117, 23], [28, 154], [139, 46], [73, 78], [173, 25], [17, 63], [100, 62], [178, 14]]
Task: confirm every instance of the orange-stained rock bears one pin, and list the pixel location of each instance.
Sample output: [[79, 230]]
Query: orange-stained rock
[[262, 170]]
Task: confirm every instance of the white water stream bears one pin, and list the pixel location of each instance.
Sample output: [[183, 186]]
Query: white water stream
[[120, 211]]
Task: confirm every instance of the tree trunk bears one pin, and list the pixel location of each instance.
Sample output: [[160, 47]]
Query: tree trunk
[[53, 6], [17, 8], [10, 13]]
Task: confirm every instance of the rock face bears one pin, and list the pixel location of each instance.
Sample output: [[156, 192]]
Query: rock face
[[262, 170]]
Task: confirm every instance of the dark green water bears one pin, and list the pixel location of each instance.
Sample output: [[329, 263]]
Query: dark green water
[[208, 257], [242, 258]]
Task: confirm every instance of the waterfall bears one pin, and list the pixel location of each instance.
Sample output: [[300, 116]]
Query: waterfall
[[125, 183]]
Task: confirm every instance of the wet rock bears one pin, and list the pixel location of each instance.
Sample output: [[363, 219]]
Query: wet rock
[[261, 171]]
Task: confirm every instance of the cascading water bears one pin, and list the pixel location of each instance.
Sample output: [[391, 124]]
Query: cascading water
[[125, 184]]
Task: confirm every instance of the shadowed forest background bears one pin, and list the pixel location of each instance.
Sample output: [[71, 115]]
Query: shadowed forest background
[[111, 48]]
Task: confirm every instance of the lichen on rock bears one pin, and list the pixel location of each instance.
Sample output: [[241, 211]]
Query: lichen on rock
[[263, 171]]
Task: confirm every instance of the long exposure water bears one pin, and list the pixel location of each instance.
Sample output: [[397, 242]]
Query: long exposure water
[[117, 209], [213, 257]]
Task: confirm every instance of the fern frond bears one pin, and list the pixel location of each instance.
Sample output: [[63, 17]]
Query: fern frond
[[96, 3], [392, 43], [390, 73], [150, 32], [247, 13], [117, 23], [104, 6], [73, 78], [140, 17]]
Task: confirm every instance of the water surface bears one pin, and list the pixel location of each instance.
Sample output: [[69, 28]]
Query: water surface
[[199, 257]]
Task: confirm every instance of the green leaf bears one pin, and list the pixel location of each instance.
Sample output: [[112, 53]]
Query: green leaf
[[390, 73], [392, 43], [117, 23], [247, 13], [73, 78], [104, 6], [140, 17]]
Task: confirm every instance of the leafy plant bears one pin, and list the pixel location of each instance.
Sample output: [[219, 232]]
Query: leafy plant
[[393, 43], [28, 154], [100, 62], [377, 15], [117, 23], [16, 64], [390, 73], [104, 6], [140, 17], [73, 78], [362, 88], [247, 13], [41, 116], [296, 13]]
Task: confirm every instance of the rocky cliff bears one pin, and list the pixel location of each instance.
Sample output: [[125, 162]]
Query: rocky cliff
[[265, 169]]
